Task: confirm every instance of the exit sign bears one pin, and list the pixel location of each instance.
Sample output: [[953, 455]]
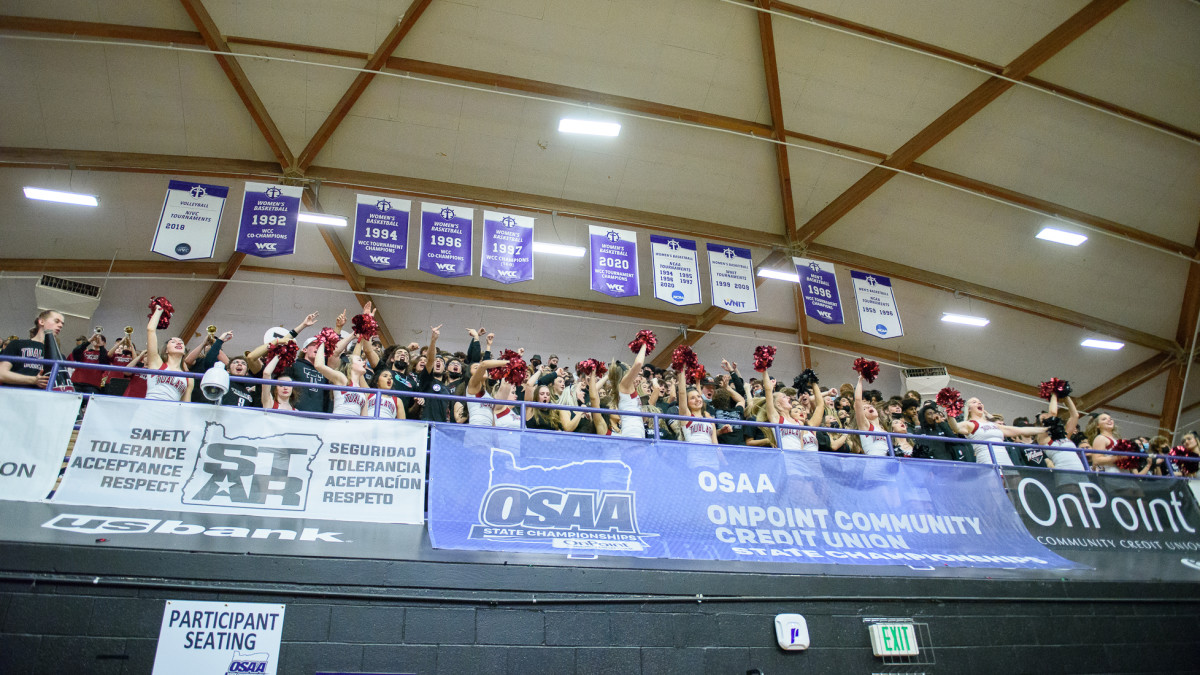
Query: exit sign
[[893, 639]]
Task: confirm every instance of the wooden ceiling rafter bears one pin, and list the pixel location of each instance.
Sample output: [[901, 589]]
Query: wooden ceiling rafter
[[1125, 382], [766, 38], [1185, 334], [228, 269], [377, 61], [956, 116]]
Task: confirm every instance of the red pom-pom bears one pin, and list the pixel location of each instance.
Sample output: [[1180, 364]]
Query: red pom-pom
[[764, 356], [1127, 462], [695, 374], [951, 400], [1184, 468], [1055, 386], [365, 326], [516, 372], [164, 319], [643, 337], [286, 351], [683, 358], [330, 338], [868, 369]]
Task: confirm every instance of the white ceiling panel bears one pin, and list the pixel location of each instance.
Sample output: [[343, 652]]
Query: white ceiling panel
[[818, 179], [354, 25], [155, 13]]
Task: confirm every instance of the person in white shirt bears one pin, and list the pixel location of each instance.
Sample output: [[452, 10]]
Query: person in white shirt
[[979, 426], [166, 387]]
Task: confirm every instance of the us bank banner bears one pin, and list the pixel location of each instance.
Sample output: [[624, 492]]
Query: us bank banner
[[35, 427], [214, 459], [494, 489]]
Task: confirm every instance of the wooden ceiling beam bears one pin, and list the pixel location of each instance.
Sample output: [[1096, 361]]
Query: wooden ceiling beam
[[1125, 382], [30, 24], [766, 39], [359, 85], [1185, 332], [77, 266], [210, 297], [956, 116], [241, 83]]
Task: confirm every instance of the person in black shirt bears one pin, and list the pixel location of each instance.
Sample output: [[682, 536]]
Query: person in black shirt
[[933, 423], [47, 324], [728, 405], [303, 370], [432, 379], [240, 393]]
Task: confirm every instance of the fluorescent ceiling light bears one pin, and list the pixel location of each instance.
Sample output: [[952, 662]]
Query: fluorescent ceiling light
[[321, 219], [61, 197], [1061, 237], [965, 319], [571, 126], [1102, 344], [776, 274], [558, 249]]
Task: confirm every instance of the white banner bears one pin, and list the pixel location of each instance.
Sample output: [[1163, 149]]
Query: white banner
[[218, 459], [35, 428], [676, 272], [877, 311], [731, 270], [190, 219], [219, 637]]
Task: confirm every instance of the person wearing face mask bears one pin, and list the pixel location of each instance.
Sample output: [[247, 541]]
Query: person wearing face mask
[[165, 386]]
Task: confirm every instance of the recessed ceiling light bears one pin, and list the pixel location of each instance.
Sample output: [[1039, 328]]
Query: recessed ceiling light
[[776, 274], [61, 197], [1061, 236], [558, 249], [321, 219], [1102, 344], [571, 126], [965, 319]]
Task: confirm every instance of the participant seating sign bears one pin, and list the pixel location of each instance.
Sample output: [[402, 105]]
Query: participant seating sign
[[35, 427], [507, 248], [614, 261], [676, 271], [818, 287], [219, 637], [500, 490], [217, 459], [878, 314], [381, 233], [268, 223], [446, 239], [190, 219], [731, 270]]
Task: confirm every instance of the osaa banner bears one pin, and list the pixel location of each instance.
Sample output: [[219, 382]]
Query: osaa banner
[[216, 459], [35, 427]]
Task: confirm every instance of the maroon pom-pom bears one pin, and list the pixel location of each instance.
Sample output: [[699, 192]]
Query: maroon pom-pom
[[1055, 386], [695, 374], [517, 371], [330, 338], [683, 358], [868, 369], [764, 356], [365, 326], [951, 400], [1127, 462], [643, 337], [1184, 468], [164, 319], [286, 351], [588, 366]]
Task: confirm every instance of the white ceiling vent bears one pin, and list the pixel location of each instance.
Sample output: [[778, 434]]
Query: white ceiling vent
[[925, 381], [66, 297]]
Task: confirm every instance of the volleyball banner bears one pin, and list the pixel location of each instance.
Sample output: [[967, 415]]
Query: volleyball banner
[[190, 220], [507, 248], [676, 270], [731, 271], [381, 233], [818, 287], [267, 226], [446, 238], [878, 314], [614, 261]]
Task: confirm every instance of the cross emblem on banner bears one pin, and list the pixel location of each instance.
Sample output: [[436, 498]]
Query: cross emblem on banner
[[814, 267], [447, 213], [198, 191], [613, 236], [383, 205], [729, 253], [871, 281], [673, 245], [508, 221], [273, 192]]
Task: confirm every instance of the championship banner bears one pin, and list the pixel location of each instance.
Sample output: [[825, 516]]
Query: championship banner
[[218, 637], [507, 248], [500, 490], [217, 459], [381, 233], [35, 428], [818, 287], [190, 218], [268, 223], [676, 271], [877, 311], [614, 261], [1071, 511], [731, 270], [445, 240]]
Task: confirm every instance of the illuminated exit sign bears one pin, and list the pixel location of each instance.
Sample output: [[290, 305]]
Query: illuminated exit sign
[[893, 639]]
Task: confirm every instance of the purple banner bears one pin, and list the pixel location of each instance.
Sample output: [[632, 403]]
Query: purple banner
[[507, 248], [614, 261], [268, 223], [381, 233], [445, 240], [818, 286]]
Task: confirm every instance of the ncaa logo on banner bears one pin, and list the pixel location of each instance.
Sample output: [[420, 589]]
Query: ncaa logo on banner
[[564, 510], [263, 472]]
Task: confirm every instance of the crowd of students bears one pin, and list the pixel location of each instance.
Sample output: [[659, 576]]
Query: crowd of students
[[716, 408]]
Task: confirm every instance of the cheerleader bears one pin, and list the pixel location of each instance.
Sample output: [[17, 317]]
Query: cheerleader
[[279, 396], [981, 426], [1103, 434], [165, 387], [479, 413], [346, 402], [389, 406], [693, 405], [1066, 457], [782, 410], [867, 415], [623, 396]]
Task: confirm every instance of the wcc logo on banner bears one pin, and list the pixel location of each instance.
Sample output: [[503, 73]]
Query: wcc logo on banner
[[878, 314], [446, 239], [614, 261], [268, 223], [507, 248], [190, 219], [381, 233]]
